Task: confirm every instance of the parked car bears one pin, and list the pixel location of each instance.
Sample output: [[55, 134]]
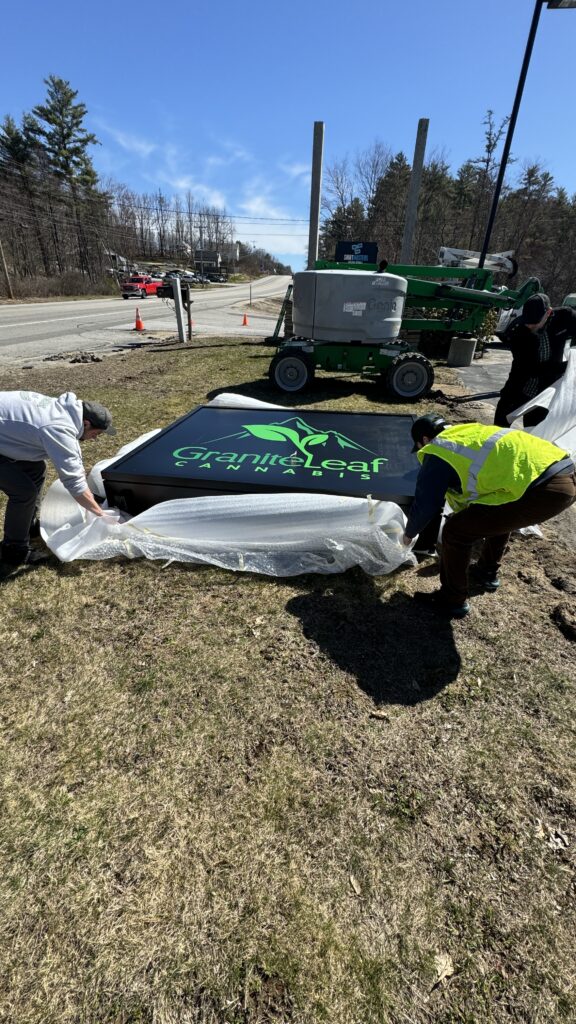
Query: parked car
[[570, 300], [504, 321], [139, 286]]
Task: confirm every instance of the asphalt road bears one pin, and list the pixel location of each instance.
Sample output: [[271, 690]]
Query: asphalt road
[[485, 378], [31, 331]]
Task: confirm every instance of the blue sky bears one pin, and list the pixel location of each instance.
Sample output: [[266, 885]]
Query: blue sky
[[220, 98]]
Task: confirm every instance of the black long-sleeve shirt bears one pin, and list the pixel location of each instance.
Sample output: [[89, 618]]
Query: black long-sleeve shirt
[[436, 476], [539, 357]]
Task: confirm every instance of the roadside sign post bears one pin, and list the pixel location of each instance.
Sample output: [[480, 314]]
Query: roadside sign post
[[177, 292]]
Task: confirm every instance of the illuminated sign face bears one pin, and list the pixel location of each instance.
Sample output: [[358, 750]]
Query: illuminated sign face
[[291, 445], [221, 451]]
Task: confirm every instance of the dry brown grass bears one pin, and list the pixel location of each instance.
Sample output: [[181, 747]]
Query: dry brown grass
[[234, 800]]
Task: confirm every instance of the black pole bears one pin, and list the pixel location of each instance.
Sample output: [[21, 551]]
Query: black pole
[[510, 132]]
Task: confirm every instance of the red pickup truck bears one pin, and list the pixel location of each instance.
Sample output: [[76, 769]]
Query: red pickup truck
[[140, 285]]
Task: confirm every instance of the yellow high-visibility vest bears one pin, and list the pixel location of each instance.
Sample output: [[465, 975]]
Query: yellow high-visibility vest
[[495, 465]]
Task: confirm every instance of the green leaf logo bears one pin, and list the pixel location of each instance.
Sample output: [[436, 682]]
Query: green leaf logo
[[272, 433], [315, 439]]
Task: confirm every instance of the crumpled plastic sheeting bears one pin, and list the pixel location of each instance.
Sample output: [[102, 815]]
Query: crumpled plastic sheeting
[[273, 534], [560, 423]]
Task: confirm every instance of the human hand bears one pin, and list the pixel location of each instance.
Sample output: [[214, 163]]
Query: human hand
[[111, 516]]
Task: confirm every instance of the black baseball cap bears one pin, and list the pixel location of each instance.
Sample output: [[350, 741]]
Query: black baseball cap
[[534, 309], [426, 426], [98, 416]]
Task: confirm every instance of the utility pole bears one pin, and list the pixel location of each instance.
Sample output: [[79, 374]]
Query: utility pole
[[510, 132], [414, 191], [201, 254], [315, 193], [3, 258]]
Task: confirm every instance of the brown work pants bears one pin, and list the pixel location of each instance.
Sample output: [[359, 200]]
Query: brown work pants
[[494, 524]]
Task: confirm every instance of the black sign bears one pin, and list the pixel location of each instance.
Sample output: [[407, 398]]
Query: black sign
[[231, 451], [356, 252]]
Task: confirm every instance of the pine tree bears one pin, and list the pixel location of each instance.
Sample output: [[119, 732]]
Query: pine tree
[[19, 173], [59, 126]]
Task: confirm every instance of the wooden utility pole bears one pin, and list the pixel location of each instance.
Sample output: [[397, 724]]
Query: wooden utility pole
[[3, 258], [414, 191], [315, 193]]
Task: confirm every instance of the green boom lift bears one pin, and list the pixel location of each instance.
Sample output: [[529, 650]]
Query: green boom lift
[[441, 302]]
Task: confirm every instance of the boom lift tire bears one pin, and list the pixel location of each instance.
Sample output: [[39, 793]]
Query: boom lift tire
[[291, 372], [409, 376]]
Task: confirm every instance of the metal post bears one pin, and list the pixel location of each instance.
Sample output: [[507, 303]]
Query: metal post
[[189, 310], [315, 193], [414, 191], [510, 132], [177, 292], [4, 264]]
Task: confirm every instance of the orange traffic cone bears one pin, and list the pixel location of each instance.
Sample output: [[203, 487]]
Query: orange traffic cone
[[139, 326], [245, 321]]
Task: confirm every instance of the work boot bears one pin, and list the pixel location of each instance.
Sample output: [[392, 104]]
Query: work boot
[[35, 528], [485, 578], [438, 602], [19, 554]]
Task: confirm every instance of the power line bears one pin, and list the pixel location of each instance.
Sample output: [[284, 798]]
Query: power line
[[104, 197]]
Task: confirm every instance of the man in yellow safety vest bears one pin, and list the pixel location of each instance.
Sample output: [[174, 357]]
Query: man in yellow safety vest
[[495, 480]]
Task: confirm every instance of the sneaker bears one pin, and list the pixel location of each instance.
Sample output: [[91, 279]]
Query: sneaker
[[437, 602], [425, 552], [487, 580], [15, 554]]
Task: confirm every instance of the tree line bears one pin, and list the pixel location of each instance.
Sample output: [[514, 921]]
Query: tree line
[[365, 200], [62, 228]]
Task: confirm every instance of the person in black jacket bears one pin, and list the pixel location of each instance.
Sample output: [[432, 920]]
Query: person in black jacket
[[539, 340]]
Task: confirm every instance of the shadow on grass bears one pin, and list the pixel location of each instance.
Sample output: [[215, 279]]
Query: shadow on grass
[[11, 573], [398, 652], [324, 389]]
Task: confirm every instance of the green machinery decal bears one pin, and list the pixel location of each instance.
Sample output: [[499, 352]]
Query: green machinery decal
[[294, 432]]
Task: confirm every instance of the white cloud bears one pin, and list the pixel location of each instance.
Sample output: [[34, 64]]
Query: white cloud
[[289, 238], [257, 202], [236, 151], [215, 161], [186, 183], [131, 143], [295, 170]]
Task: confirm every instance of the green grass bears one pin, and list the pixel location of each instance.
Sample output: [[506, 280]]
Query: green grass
[[204, 821]]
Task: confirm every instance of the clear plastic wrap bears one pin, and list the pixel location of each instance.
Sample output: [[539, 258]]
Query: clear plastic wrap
[[274, 534]]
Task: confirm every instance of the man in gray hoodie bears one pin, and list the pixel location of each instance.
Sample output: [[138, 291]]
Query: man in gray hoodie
[[34, 427]]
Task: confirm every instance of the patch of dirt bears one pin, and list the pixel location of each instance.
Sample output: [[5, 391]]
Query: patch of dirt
[[564, 616], [73, 357], [267, 305]]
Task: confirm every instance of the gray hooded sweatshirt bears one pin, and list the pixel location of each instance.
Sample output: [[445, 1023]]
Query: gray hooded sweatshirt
[[34, 427]]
